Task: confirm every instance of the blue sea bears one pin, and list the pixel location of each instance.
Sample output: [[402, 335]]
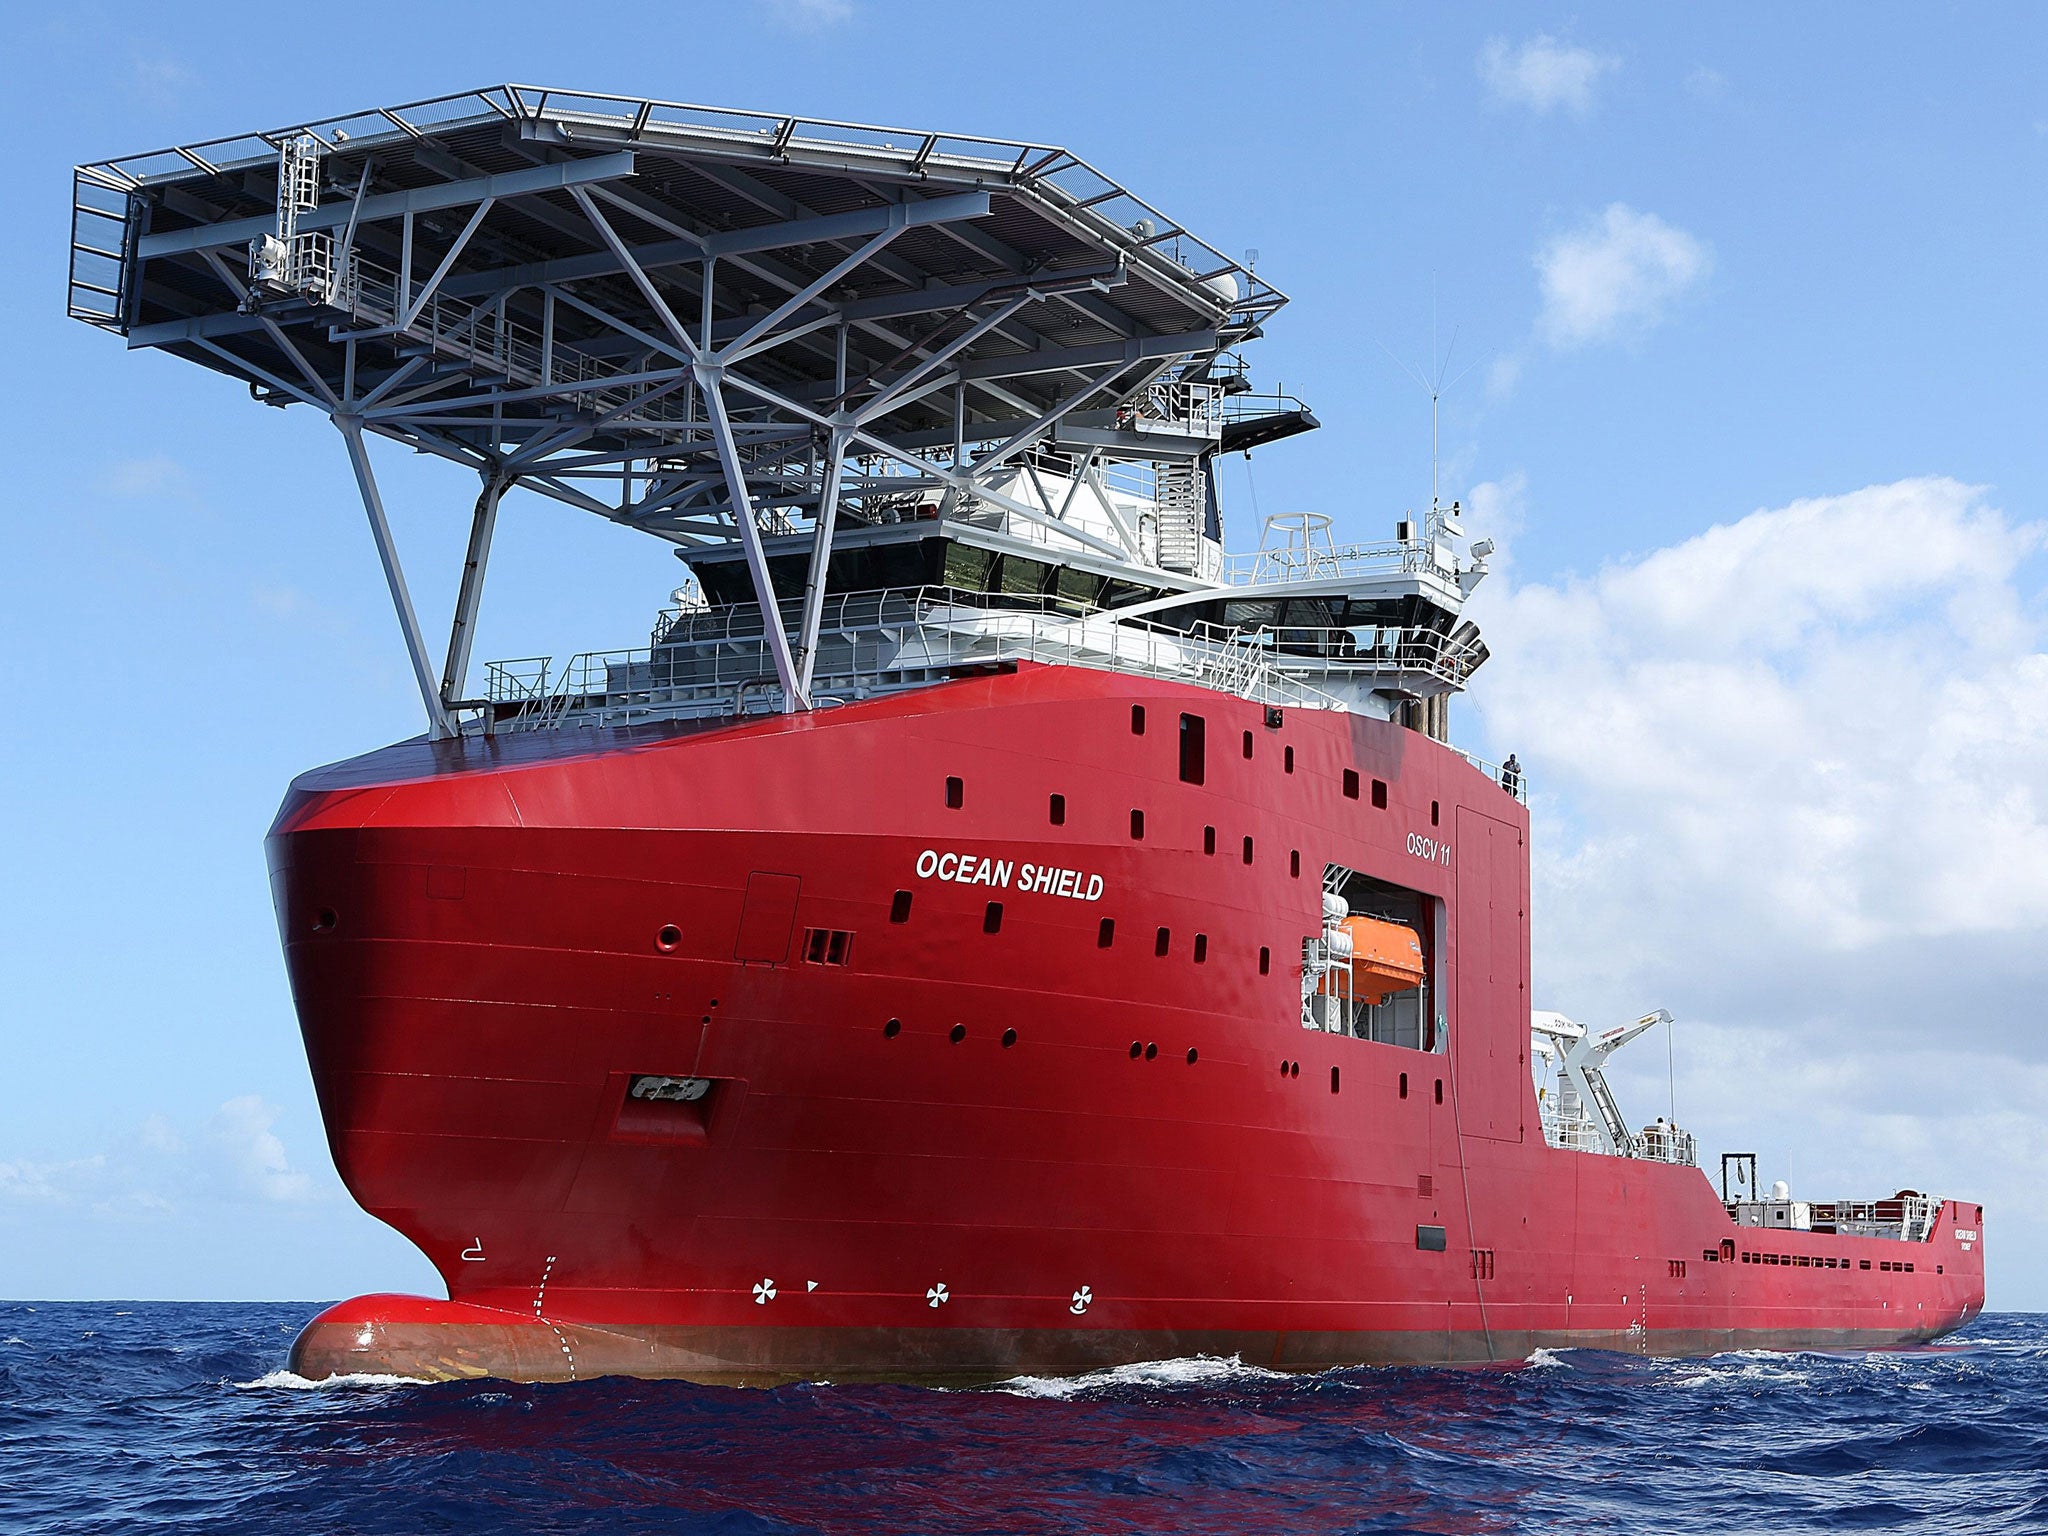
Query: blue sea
[[147, 1417]]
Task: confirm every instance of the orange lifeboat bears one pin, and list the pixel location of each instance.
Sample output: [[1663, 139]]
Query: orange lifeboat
[[1385, 958]]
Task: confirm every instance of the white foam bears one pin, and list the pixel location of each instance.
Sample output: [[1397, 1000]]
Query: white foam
[[1194, 1371], [11, 1339], [292, 1382], [1547, 1359]]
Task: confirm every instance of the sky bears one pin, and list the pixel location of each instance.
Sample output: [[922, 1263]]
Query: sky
[[1738, 315]]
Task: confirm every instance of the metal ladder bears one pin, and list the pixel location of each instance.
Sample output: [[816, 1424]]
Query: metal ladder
[[1181, 505]]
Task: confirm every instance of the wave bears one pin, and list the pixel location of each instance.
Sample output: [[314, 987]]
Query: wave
[[1191, 1371], [292, 1382]]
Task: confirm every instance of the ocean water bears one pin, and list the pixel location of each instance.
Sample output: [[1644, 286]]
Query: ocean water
[[146, 1417]]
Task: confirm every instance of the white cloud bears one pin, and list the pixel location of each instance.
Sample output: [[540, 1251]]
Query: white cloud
[[1825, 719], [1543, 74], [1788, 781], [1706, 84], [242, 1130], [157, 1169], [47, 1183], [157, 475], [807, 15], [1615, 275]]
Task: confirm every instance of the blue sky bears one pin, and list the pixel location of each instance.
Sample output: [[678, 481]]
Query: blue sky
[[1749, 347]]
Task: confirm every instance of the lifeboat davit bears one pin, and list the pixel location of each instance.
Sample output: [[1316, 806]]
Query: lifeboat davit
[[1385, 958]]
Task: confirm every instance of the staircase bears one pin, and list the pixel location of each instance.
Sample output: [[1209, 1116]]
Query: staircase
[[1181, 505]]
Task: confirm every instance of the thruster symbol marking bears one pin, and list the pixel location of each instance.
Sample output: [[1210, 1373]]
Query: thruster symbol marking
[[1080, 1302], [938, 1295], [764, 1292]]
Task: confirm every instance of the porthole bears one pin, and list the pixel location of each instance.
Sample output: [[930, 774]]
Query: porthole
[[957, 1033], [1294, 1069], [669, 937], [1009, 1038], [892, 1029], [1151, 1050], [1137, 1049], [1192, 1055], [325, 919]]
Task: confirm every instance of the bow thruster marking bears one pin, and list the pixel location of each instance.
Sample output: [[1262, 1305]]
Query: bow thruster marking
[[1080, 1302], [938, 1295], [764, 1292]]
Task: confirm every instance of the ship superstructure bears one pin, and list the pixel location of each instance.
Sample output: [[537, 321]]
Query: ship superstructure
[[987, 926]]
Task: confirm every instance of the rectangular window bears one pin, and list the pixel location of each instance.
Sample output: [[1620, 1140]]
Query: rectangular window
[[1379, 794], [1429, 1239], [1058, 810], [1208, 839], [956, 794], [1105, 933], [1287, 760], [1265, 960], [1194, 752], [1247, 746], [1294, 863], [1247, 850], [1137, 826], [992, 919], [1137, 719], [899, 907], [1435, 813], [1162, 943], [1201, 948], [1350, 783]]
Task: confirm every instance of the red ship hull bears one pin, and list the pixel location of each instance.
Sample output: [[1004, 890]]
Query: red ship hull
[[488, 940]]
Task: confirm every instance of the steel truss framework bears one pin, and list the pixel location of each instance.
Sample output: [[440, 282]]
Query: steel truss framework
[[711, 326]]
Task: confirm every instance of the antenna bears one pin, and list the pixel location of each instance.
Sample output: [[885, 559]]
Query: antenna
[[1434, 387]]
